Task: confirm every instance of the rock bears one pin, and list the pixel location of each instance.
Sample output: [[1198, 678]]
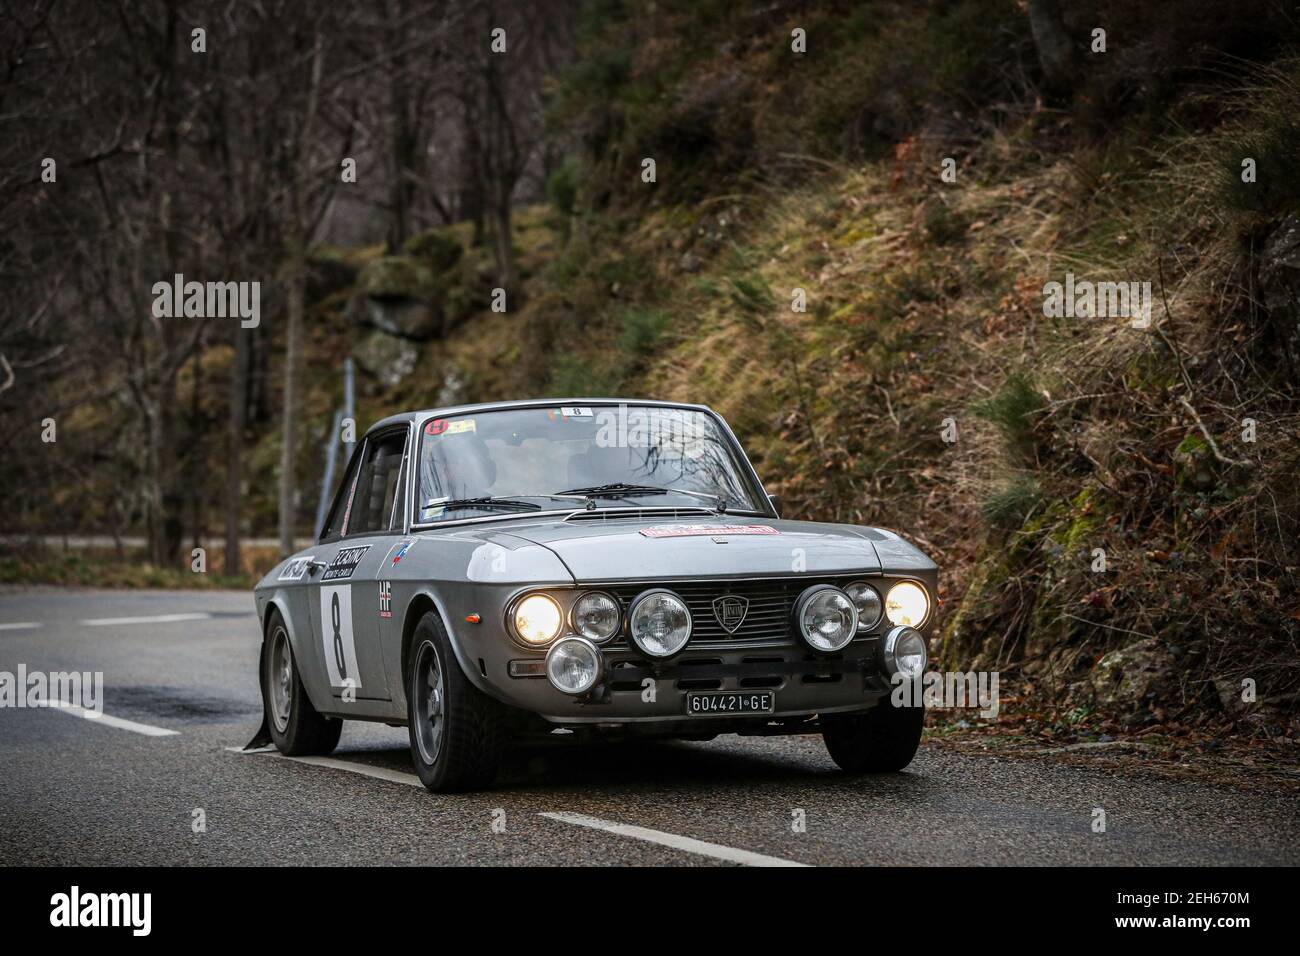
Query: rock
[[405, 317], [1230, 695], [387, 357], [1134, 677], [327, 273], [1279, 280], [399, 297], [437, 248], [396, 277], [1195, 465]]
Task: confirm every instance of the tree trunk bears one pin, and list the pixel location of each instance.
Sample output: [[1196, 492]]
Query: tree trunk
[[235, 449], [1055, 51], [293, 335], [503, 247]]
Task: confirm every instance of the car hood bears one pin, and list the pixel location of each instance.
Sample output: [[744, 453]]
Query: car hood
[[703, 547]]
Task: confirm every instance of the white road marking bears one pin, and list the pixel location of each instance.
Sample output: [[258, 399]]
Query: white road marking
[[20, 626], [118, 722], [686, 844], [672, 840], [151, 619], [333, 763]]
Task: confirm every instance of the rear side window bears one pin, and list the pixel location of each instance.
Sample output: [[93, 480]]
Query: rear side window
[[377, 483], [334, 524]]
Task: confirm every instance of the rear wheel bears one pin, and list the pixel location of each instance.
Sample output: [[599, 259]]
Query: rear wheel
[[458, 733], [880, 740], [297, 729]]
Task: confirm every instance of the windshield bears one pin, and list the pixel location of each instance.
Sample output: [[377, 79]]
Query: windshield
[[533, 456]]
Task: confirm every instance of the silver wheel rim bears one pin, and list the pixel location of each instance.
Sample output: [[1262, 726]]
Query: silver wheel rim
[[430, 700], [280, 679]]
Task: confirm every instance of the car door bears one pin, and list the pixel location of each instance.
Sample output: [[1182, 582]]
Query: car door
[[344, 604]]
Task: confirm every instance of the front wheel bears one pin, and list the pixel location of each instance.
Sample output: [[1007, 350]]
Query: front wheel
[[457, 732], [297, 729], [881, 740]]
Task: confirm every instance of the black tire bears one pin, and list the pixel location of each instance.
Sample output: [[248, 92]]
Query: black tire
[[462, 749], [297, 728], [881, 740]]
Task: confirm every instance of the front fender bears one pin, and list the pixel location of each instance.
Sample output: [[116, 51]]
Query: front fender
[[300, 641]]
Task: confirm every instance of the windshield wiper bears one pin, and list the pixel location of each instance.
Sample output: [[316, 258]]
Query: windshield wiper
[[621, 489], [487, 501]]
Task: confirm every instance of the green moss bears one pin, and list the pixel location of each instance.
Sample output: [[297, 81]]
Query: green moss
[[397, 277], [1013, 409], [439, 249]]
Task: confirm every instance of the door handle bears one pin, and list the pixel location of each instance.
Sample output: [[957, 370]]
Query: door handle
[[313, 566]]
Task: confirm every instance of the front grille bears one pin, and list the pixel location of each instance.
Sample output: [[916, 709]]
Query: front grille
[[767, 619]]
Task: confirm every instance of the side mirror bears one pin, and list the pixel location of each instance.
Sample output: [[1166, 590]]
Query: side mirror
[[776, 503]]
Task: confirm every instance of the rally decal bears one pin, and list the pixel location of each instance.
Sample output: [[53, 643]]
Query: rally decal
[[385, 598], [440, 426], [295, 569], [399, 550], [692, 530], [344, 563], [337, 637]]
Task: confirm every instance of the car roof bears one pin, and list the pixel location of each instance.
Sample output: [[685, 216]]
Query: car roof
[[404, 417]]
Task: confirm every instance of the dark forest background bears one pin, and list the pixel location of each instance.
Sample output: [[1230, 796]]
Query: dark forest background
[[778, 167]]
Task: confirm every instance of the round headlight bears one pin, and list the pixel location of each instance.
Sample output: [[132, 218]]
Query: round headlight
[[867, 600], [904, 651], [907, 603], [826, 618], [573, 665], [596, 616], [537, 619], [659, 623]]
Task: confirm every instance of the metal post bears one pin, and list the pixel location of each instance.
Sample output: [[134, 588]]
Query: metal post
[[331, 454], [349, 404]]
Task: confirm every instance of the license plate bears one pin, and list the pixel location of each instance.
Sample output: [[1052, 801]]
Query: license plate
[[723, 703]]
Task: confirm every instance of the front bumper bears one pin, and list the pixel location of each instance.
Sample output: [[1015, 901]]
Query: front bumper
[[635, 691]]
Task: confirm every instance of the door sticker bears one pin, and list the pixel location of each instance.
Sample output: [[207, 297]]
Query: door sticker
[[295, 569], [385, 598], [337, 636], [344, 563]]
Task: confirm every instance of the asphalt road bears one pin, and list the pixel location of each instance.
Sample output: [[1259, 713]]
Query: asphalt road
[[86, 792]]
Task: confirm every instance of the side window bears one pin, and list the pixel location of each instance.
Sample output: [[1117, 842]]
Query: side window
[[377, 483], [334, 524]]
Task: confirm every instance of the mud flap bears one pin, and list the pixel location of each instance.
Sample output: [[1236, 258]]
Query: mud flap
[[261, 739], [263, 736]]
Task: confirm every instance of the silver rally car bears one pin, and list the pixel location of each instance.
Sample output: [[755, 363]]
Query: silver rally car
[[490, 572]]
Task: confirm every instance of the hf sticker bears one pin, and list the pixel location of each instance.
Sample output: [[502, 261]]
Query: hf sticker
[[385, 598], [337, 636]]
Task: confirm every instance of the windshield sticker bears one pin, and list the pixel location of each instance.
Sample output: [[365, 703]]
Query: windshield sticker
[[574, 411], [295, 569], [694, 530], [433, 509], [440, 426], [344, 563]]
